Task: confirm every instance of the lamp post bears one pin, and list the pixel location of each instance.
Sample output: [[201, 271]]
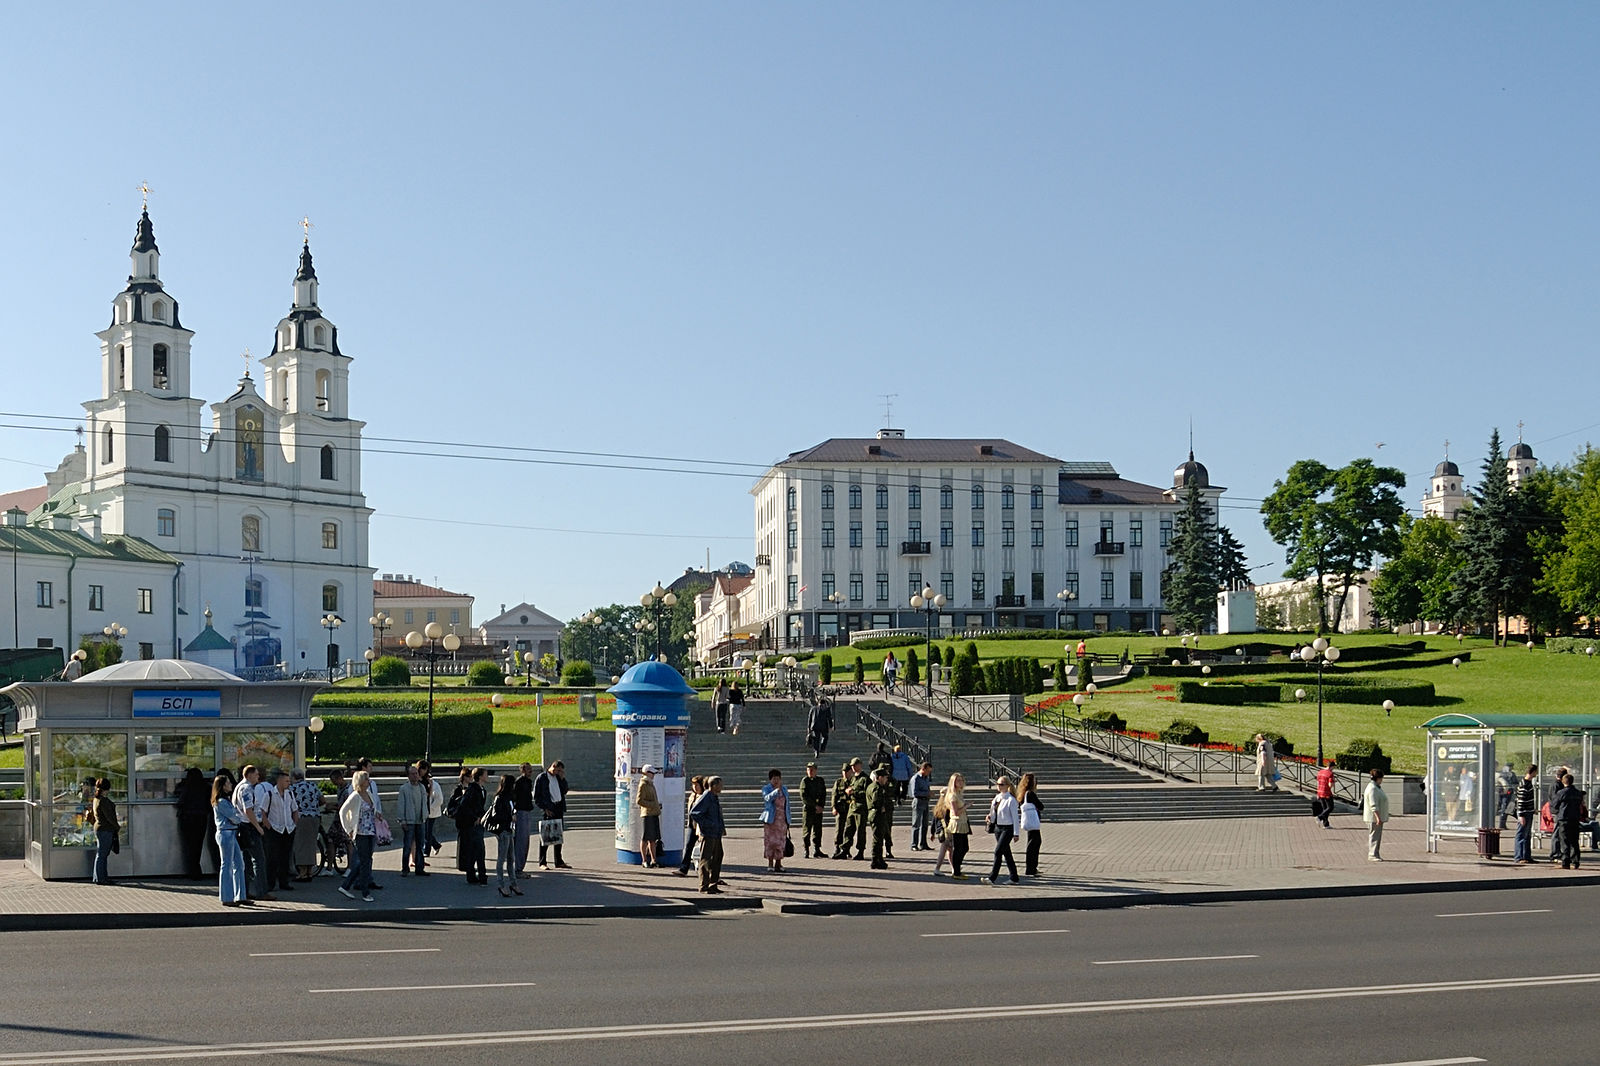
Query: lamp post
[[435, 636], [1066, 596], [380, 623], [656, 601], [1322, 653], [114, 633], [330, 622], [315, 727], [928, 601], [528, 659], [368, 654]]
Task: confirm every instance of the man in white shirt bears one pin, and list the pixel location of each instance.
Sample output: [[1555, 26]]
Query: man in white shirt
[[282, 816], [252, 835]]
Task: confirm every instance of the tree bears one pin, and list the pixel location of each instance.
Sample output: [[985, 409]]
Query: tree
[[1333, 524], [1189, 584], [1085, 674], [1572, 571], [390, 671], [1419, 582], [825, 669], [860, 671], [1233, 567], [913, 668], [961, 676], [1494, 577]]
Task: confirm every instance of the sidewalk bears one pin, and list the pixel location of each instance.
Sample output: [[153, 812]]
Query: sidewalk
[[1083, 866]]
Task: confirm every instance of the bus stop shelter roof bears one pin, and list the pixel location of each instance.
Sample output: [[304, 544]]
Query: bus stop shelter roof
[[1518, 723]]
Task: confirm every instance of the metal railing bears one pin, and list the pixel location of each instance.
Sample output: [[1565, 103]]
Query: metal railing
[[998, 768], [878, 727], [974, 710]]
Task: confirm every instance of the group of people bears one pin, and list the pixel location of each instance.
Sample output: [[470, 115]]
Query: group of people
[[266, 828], [1564, 815], [728, 703], [509, 817]]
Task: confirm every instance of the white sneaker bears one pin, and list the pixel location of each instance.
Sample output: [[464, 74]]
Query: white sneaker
[[367, 898], [346, 893]]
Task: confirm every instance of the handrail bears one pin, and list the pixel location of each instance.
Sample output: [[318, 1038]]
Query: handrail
[[970, 709], [999, 765], [878, 727]]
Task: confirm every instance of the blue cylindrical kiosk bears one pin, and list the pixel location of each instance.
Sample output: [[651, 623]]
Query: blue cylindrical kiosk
[[652, 721]]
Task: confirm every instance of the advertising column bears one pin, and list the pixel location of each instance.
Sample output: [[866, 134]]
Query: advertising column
[[652, 723]]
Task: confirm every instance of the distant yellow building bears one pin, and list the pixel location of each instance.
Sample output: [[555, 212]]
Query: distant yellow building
[[410, 604]]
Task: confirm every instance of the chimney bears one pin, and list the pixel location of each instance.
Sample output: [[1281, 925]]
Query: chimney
[[89, 526], [502, 611], [16, 517], [891, 434], [986, 449], [60, 521]]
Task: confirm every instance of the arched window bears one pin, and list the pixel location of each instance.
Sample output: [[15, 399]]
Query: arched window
[[250, 533], [120, 371], [320, 336], [324, 381], [327, 462], [163, 444], [166, 522], [158, 366], [109, 452], [330, 534], [158, 311], [827, 497], [330, 597]]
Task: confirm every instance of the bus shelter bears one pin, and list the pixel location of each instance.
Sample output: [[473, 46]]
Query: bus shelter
[[1466, 751], [141, 725]]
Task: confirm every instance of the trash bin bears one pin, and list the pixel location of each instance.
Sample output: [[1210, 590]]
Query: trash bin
[[1489, 843]]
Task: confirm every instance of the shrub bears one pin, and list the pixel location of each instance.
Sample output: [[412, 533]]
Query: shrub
[[825, 669], [1282, 747], [1362, 755], [913, 667], [961, 677], [1061, 675], [1570, 645], [1085, 674], [1106, 720], [972, 650], [1228, 695], [860, 671], [404, 736], [578, 672], [485, 673], [1185, 732], [390, 671]]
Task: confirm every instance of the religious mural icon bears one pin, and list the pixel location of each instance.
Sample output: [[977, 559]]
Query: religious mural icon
[[247, 444]]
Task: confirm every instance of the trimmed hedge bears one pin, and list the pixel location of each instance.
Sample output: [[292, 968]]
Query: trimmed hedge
[[1571, 645], [1185, 732], [1229, 695], [577, 672], [404, 736], [1106, 720], [390, 671], [485, 673], [1371, 691], [1282, 747], [1362, 755]]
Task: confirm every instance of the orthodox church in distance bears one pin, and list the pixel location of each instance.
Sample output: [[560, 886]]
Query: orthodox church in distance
[[262, 509]]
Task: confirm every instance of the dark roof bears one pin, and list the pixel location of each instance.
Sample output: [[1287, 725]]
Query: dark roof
[[1447, 469], [1099, 491], [41, 540], [914, 450], [144, 234], [307, 272], [1191, 471], [1520, 450]]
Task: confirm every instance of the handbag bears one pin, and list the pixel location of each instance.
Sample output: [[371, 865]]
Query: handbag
[[788, 846], [550, 831], [116, 842], [1030, 817], [381, 837]]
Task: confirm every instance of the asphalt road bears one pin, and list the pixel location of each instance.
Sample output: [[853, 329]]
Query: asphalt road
[[1498, 977]]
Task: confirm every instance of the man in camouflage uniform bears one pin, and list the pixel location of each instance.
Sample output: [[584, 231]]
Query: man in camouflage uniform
[[856, 831], [881, 802], [841, 813], [813, 801]]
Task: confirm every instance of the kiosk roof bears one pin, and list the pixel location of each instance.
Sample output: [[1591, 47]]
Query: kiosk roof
[[1524, 723]]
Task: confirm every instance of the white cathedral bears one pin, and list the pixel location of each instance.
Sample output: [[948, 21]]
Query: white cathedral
[[263, 511]]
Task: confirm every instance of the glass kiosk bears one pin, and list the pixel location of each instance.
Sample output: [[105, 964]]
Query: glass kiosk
[[142, 725]]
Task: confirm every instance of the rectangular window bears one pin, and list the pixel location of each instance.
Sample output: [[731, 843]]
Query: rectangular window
[[330, 535], [166, 522], [883, 588], [947, 534], [432, 616], [856, 587], [97, 597], [1008, 534], [977, 534], [827, 584], [253, 590], [45, 642], [1036, 587], [977, 497], [1108, 530], [147, 601], [883, 534], [1036, 534], [827, 533], [914, 531], [1071, 584], [1072, 532], [977, 587], [1135, 532], [855, 534], [947, 585], [44, 594], [794, 589], [794, 535], [1136, 586], [1108, 586], [1166, 532], [947, 497], [883, 497], [914, 584], [409, 616], [147, 651], [914, 498], [455, 616]]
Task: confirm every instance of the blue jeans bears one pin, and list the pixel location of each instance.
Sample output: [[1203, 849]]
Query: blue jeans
[[102, 855], [413, 846], [230, 875], [359, 877], [505, 856], [919, 823], [1523, 848]]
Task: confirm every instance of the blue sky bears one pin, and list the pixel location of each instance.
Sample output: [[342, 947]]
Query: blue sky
[[719, 232]]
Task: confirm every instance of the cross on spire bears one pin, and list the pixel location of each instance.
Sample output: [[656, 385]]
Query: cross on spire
[[1447, 447], [246, 358], [1519, 431], [144, 191], [306, 225]]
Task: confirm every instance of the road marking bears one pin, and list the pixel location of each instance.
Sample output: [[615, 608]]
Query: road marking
[[1002, 932], [368, 951], [423, 988], [1180, 958], [1432, 1062], [723, 1027], [1485, 914]]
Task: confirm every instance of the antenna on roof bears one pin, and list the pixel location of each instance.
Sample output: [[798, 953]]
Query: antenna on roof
[[888, 406]]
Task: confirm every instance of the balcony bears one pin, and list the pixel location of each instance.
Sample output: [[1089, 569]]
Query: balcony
[[1108, 547], [916, 547], [1012, 600]]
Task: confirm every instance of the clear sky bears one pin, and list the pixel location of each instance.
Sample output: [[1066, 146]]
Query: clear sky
[[719, 232]]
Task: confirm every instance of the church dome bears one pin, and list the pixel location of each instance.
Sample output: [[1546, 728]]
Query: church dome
[[1191, 472], [1520, 450], [1447, 469]]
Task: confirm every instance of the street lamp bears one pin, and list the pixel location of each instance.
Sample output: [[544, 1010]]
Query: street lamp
[[435, 636], [928, 601], [1322, 653], [330, 622], [369, 657], [315, 726], [837, 598], [1066, 596], [528, 659], [381, 623], [656, 601]]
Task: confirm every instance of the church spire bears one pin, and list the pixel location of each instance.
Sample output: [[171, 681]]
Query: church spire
[[144, 235], [305, 279]]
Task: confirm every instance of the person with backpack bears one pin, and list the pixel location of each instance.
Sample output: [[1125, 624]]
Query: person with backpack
[[501, 820]]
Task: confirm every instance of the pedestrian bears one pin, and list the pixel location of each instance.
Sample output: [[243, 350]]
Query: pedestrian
[[107, 831], [921, 797], [841, 812], [411, 811], [1570, 811], [501, 820], [522, 801], [697, 786], [650, 812], [1002, 822], [1505, 786], [819, 723], [230, 871], [1029, 810], [1322, 806], [880, 756], [431, 845], [1527, 804], [1266, 765], [192, 797], [719, 703], [941, 835], [281, 819], [307, 800], [880, 807], [252, 834], [813, 807], [70, 672], [900, 770], [735, 707], [890, 668], [550, 796], [774, 820], [1375, 812], [707, 816], [469, 828], [857, 834], [359, 816], [957, 828], [1548, 822]]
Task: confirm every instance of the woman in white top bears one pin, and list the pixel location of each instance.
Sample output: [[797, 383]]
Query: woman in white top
[[1002, 822], [358, 816]]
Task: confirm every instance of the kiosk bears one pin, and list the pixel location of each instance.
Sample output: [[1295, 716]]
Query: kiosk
[[652, 721], [141, 725]]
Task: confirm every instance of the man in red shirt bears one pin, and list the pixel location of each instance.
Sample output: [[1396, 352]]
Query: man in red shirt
[[1324, 804]]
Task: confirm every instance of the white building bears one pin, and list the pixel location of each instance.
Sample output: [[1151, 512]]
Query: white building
[[847, 530], [1292, 605], [263, 511], [522, 629]]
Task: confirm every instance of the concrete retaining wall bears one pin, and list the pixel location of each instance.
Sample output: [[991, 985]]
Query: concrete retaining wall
[[589, 754]]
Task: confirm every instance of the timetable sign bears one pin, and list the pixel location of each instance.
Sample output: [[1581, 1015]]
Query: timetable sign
[[177, 703]]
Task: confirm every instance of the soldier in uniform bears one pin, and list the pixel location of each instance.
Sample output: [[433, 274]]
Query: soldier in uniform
[[813, 802], [841, 813], [857, 828], [880, 801]]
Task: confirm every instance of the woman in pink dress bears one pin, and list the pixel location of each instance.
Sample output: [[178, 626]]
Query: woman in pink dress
[[774, 821]]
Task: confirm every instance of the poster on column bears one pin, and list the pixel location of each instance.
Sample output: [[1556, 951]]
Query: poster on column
[[626, 738], [672, 760], [648, 749], [628, 827], [1453, 770]]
